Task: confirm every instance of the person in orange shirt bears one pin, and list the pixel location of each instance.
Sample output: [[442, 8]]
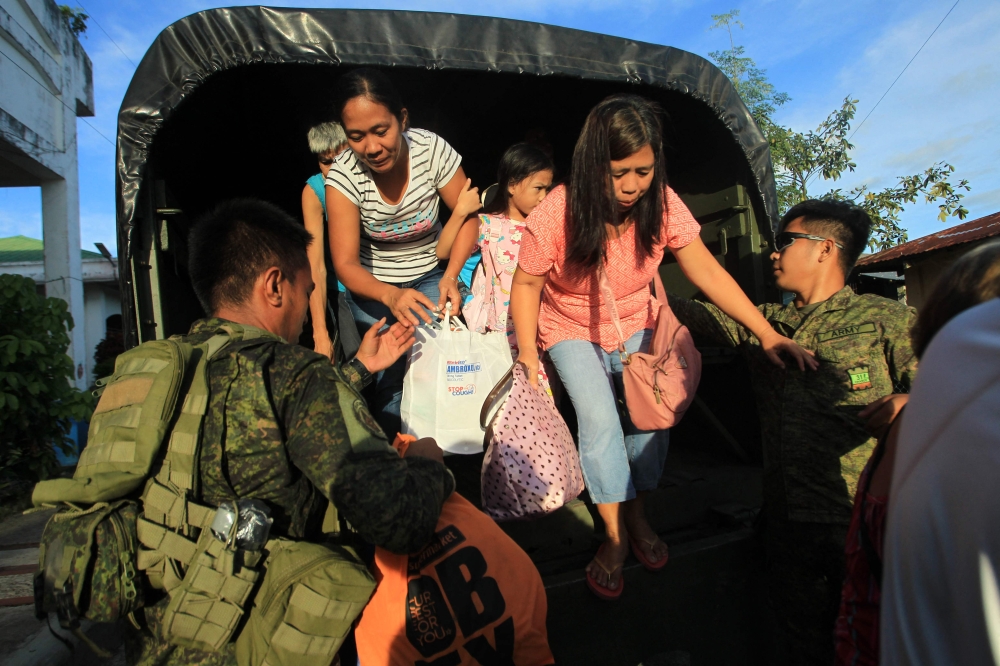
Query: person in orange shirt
[[470, 597]]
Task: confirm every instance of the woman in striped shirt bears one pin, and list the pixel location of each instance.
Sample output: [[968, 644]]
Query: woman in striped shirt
[[382, 199]]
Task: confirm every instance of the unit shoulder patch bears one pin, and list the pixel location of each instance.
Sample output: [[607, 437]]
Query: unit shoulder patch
[[845, 331], [366, 419]]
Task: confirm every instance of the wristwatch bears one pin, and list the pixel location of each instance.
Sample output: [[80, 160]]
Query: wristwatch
[[363, 373]]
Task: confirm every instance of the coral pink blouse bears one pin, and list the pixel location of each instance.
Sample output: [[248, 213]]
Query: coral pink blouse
[[572, 308]]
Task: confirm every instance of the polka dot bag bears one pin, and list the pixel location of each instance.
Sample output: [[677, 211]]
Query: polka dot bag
[[531, 465]]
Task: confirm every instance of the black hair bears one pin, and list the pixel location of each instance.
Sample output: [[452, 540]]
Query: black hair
[[846, 223], [371, 84], [974, 278], [619, 126], [237, 241], [518, 162]]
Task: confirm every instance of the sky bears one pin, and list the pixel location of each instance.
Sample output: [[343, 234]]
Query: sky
[[819, 52]]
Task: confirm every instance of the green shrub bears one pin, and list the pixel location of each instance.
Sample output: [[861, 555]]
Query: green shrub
[[38, 404]]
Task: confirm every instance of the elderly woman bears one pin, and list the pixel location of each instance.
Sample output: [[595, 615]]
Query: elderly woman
[[326, 141]]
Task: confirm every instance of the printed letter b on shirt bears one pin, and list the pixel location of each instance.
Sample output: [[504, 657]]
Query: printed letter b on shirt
[[463, 577]]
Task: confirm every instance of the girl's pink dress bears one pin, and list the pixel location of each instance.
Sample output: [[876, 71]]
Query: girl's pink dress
[[488, 311]]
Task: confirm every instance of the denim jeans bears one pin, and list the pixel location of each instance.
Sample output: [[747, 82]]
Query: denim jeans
[[388, 388], [617, 459]]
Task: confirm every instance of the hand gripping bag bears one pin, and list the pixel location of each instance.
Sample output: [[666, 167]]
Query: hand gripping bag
[[661, 383], [447, 375], [531, 465]]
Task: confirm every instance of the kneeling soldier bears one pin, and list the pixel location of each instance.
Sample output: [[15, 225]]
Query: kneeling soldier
[[285, 427]]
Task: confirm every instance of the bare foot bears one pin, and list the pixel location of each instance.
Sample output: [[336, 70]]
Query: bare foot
[[646, 539], [610, 558]]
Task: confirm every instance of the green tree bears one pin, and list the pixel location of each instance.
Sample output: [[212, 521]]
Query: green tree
[[749, 80], [76, 19], [37, 401], [800, 157]]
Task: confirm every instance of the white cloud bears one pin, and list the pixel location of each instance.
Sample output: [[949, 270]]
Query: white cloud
[[942, 108], [816, 50]]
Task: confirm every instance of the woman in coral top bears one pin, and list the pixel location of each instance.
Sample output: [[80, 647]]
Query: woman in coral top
[[617, 210]]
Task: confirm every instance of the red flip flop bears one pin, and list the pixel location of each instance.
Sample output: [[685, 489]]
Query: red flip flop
[[604, 593], [646, 563]]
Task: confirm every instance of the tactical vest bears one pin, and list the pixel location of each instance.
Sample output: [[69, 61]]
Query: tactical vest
[[94, 546]]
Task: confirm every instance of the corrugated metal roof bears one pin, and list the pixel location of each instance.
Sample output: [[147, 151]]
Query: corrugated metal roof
[[984, 227], [21, 249]]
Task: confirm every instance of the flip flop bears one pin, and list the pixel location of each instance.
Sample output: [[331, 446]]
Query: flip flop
[[604, 593], [646, 563]]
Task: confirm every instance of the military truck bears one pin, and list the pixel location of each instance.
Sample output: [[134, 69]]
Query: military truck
[[219, 107]]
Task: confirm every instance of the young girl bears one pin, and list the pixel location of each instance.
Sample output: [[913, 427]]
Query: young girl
[[524, 177], [618, 215]]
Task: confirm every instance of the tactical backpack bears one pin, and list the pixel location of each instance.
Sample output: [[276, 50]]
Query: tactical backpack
[[93, 548]]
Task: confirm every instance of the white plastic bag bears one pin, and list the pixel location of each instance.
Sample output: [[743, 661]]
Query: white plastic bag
[[448, 375]]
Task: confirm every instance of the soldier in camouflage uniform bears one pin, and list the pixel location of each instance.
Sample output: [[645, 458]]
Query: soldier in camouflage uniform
[[284, 425], [815, 442]]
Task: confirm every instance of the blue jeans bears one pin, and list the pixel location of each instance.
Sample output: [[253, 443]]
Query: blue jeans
[[388, 388], [617, 459]]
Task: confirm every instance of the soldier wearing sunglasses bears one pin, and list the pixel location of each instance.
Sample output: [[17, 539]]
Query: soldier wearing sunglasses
[[818, 427]]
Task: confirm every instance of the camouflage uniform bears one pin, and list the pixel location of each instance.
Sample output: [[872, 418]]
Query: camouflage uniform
[[815, 446], [287, 427]]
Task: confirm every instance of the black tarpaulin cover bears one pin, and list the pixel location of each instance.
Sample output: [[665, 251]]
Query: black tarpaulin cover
[[187, 53]]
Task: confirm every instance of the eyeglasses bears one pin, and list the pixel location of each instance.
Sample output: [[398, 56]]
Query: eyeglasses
[[785, 238]]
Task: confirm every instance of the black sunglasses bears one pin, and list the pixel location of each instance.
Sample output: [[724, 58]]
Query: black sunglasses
[[785, 238]]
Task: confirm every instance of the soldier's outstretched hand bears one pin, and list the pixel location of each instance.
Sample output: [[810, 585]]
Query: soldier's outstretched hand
[[775, 344], [379, 349]]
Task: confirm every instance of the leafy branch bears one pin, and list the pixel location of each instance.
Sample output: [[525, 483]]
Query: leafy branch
[[800, 157], [885, 205], [76, 19]]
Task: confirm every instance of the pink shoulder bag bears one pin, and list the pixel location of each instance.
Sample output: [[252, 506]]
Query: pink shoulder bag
[[659, 384], [531, 465]]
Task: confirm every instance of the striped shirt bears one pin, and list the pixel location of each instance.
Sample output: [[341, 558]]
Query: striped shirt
[[398, 241]]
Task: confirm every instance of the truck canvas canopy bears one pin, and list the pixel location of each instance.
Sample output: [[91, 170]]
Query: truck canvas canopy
[[221, 103]]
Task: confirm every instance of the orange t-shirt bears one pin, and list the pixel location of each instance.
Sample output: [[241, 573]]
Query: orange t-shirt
[[572, 308], [471, 597]]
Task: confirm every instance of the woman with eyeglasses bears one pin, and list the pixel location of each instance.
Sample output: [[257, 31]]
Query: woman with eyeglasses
[[617, 214]]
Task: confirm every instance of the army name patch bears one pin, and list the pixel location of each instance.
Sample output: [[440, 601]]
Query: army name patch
[[845, 331], [860, 378]]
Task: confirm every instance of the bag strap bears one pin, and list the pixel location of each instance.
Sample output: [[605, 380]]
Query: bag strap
[[658, 294], [488, 263], [609, 298], [180, 465], [493, 394]]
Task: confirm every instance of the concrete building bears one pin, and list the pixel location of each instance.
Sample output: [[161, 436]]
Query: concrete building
[[102, 306], [922, 261], [46, 81]]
